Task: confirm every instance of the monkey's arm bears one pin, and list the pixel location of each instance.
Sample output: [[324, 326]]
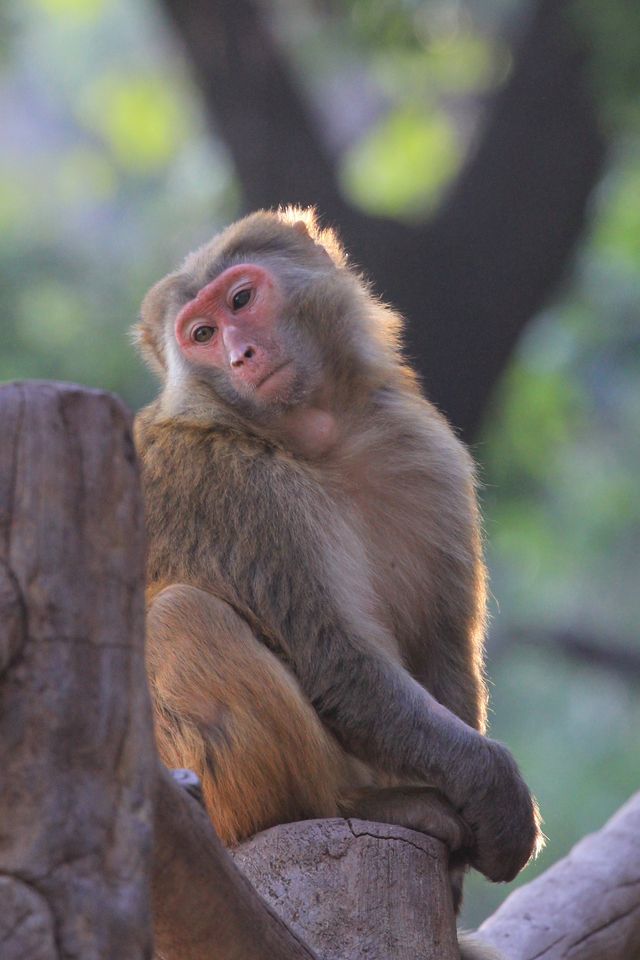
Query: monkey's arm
[[383, 716], [306, 591]]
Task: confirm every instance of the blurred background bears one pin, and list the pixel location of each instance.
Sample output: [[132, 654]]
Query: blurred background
[[482, 159]]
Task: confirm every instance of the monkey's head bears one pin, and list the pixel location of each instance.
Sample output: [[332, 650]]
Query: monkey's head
[[264, 316]]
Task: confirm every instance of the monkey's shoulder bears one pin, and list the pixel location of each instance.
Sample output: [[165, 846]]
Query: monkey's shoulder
[[218, 470], [404, 437], [215, 502]]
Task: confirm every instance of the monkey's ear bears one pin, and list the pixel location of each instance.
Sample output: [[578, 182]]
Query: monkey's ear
[[325, 242], [150, 332], [300, 227], [305, 222]]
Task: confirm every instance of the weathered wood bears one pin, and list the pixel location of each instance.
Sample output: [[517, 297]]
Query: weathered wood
[[204, 908], [585, 907], [356, 890], [81, 787], [76, 749]]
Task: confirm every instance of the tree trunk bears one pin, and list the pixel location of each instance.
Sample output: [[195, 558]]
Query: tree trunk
[[585, 907], [76, 748], [81, 785], [356, 890]]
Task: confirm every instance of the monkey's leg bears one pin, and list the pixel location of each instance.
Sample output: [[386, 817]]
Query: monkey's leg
[[418, 808], [227, 708]]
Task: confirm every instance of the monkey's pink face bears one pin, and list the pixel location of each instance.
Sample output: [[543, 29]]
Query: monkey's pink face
[[234, 326]]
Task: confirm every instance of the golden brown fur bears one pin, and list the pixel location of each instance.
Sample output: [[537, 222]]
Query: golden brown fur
[[316, 577], [228, 683]]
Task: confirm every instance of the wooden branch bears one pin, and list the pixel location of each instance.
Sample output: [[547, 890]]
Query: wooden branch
[[356, 890], [76, 747], [204, 908], [586, 907], [255, 105]]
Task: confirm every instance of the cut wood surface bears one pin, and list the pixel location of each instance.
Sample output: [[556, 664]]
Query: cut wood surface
[[585, 907], [76, 749], [356, 890], [204, 908]]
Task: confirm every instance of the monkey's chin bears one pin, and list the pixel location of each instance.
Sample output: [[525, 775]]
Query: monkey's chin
[[279, 386], [286, 387]]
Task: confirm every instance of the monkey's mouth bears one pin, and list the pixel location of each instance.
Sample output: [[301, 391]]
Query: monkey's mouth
[[274, 381]]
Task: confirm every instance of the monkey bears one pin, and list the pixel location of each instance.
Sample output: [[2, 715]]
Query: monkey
[[316, 583]]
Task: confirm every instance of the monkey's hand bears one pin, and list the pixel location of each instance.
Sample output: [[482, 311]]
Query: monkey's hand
[[502, 814]]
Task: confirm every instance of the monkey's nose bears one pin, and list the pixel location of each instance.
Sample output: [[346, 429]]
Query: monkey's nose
[[237, 357], [239, 347]]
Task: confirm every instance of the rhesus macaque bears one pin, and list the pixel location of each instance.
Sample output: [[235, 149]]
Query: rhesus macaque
[[316, 582]]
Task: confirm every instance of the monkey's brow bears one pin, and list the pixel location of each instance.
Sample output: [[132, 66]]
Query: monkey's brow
[[191, 283], [218, 266]]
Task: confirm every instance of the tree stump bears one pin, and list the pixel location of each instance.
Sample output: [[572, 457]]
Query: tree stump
[[357, 890], [76, 745], [81, 784]]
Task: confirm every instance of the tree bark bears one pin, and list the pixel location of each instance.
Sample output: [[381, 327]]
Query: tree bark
[[585, 907], [356, 890], [81, 787], [76, 748], [469, 280], [204, 908]]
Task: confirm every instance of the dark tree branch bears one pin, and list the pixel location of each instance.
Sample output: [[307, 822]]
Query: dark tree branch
[[469, 280], [254, 105], [503, 239], [608, 654]]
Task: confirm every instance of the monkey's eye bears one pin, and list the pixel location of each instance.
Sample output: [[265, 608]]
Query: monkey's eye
[[203, 334], [241, 299]]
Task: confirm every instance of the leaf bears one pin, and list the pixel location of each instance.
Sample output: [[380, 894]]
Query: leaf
[[402, 166], [139, 116], [75, 8]]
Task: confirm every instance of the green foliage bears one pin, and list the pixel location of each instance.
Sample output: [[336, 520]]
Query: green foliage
[[72, 8], [138, 116], [612, 32], [401, 166], [618, 229], [108, 175], [386, 22], [464, 62]]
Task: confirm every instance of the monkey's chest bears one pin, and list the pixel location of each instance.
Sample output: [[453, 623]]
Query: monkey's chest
[[392, 517]]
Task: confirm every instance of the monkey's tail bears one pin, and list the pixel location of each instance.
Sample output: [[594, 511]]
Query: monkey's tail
[[472, 948]]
